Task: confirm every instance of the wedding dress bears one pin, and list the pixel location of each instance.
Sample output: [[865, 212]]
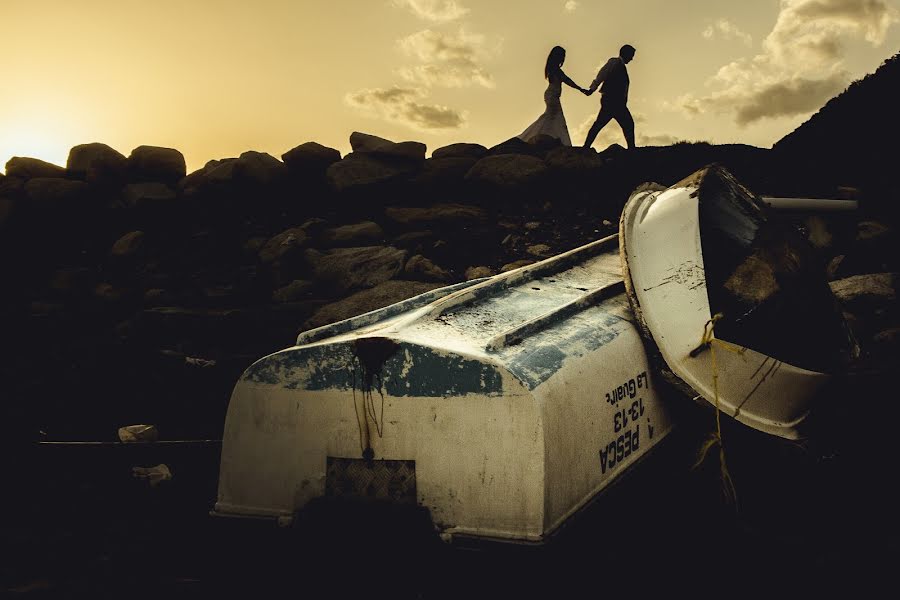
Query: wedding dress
[[552, 122]]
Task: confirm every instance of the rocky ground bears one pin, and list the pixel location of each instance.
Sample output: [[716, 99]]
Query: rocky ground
[[135, 292]]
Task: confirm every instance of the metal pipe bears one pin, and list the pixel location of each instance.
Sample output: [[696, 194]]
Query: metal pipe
[[811, 204]]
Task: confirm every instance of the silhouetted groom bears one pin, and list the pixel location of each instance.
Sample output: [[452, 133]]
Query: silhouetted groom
[[613, 96]]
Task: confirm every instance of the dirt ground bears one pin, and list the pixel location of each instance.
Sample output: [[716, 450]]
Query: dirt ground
[[810, 520]]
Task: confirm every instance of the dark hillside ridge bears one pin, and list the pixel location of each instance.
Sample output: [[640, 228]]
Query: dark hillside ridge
[[853, 137]]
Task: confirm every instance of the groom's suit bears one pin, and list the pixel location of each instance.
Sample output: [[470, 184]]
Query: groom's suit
[[613, 100]]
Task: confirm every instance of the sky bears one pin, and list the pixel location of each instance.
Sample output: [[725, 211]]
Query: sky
[[215, 78]]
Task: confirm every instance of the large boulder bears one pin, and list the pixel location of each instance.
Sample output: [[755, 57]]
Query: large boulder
[[295, 291], [364, 143], [284, 245], [355, 234], [866, 294], [310, 159], [460, 150], [129, 245], [419, 267], [443, 174], [568, 161], [29, 168], [229, 176], [259, 168], [508, 172], [363, 173], [155, 163], [97, 163], [343, 269], [8, 207], [148, 195], [56, 192], [381, 295], [437, 217], [514, 145]]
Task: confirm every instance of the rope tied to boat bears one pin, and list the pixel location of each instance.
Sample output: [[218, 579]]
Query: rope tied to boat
[[710, 342]]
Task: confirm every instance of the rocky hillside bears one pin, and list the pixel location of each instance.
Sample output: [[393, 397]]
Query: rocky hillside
[[135, 292], [851, 140]]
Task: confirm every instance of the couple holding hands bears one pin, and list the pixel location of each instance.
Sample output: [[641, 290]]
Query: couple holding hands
[[613, 98]]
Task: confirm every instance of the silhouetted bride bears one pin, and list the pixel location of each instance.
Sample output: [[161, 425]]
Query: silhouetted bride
[[553, 122]]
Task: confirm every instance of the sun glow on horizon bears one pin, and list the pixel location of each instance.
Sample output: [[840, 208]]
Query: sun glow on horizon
[[33, 142]]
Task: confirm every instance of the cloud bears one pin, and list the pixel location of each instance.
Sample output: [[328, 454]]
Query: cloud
[[872, 18], [571, 6], [727, 30], [769, 99], [801, 63], [447, 75], [449, 59], [403, 106], [439, 11]]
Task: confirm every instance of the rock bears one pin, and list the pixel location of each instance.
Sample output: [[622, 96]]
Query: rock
[[299, 289], [513, 146], [55, 192], [817, 232], [310, 159], [252, 170], [29, 168], [438, 216], [543, 143], [887, 341], [860, 294], [383, 294], [362, 173], [149, 195], [131, 434], [539, 250], [7, 210], [413, 239], [155, 163], [97, 163], [461, 150], [834, 267], [571, 161], [314, 227], [259, 169], [872, 232], [343, 269], [215, 172], [128, 245], [12, 187], [478, 272], [108, 293], [419, 267], [357, 234], [508, 172], [284, 245], [440, 174], [404, 151], [532, 225], [510, 240], [515, 265]]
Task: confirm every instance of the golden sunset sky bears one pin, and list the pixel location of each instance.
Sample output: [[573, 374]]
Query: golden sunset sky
[[214, 78]]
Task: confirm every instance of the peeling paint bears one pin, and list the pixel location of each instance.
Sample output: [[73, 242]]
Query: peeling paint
[[411, 370]]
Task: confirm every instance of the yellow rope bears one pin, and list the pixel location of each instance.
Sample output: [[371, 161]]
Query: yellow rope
[[709, 341]]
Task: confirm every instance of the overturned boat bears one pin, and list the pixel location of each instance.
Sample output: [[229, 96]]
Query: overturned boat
[[732, 300], [505, 405], [502, 405]]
